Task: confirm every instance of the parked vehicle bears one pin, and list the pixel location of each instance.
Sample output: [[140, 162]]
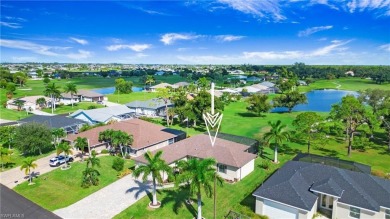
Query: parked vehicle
[[59, 160]]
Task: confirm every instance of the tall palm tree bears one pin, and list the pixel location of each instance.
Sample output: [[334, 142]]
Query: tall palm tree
[[93, 161], [106, 136], [149, 80], [53, 91], [57, 133], [27, 165], [199, 175], [65, 148], [120, 138], [154, 167], [278, 134], [72, 89], [19, 104], [90, 174], [81, 143], [41, 102]]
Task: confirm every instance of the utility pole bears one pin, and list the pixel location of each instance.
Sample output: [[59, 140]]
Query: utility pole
[[215, 195]]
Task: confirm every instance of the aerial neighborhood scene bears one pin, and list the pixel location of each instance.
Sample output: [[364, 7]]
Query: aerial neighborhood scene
[[230, 109]]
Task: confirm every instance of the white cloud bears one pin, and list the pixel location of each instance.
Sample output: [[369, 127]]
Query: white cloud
[[79, 41], [10, 25], [335, 46], [134, 47], [385, 47], [81, 54], [54, 51], [273, 55], [312, 30], [257, 8], [228, 38], [362, 5], [19, 19], [170, 38], [24, 59]]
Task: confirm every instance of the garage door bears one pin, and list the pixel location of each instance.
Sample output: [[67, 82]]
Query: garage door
[[278, 211]]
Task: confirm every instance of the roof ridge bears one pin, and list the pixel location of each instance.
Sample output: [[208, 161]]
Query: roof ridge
[[354, 185], [298, 174]]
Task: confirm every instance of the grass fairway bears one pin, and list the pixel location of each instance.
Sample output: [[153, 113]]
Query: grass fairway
[[353, 84], [125, 98], [68, 108], [58, 188]]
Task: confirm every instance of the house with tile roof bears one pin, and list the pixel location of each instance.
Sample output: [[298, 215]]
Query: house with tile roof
[[300, 189], [82, 95], [146, 136], [104, 115], [234, 160]]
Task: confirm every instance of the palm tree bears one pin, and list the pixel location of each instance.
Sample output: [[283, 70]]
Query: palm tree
[[93, 161], [57, 133], [154, 167], [81, 143], [53, 91], [27, 165], [90, 174], [149, 80], [278, 134], [41, 102], [65, 148], [72, 89], [198, 174], [4, 156], [19, 104], [120, 138]]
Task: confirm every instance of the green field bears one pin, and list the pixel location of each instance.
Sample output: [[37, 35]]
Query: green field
[[353, 84], [61, 188], [125, 98]]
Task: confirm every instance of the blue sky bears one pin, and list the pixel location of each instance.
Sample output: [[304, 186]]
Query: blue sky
[[338, 32]]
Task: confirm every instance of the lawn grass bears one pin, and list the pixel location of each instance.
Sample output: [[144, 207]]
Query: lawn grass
[[352, 84], [58, 188], [67, 109], [10, 114], [125, 98], [16, 158]]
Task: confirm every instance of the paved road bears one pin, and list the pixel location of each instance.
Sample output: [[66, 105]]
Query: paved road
[[15, 176], [14, 205], [39, 112], [109, 201]]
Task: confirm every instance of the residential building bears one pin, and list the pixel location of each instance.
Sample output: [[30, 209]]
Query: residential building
[[104, 115], [146, 136], [153, 107], [29, 103], [180, 84], [161, 85], [234, 160], [70, 125], [271, 87], [300, 189]]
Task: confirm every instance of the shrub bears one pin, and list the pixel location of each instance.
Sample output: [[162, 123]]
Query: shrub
[[123, 173], [92, 107], [118, 164], [104, 151], [128, 156], [379, 173], [265, 164]]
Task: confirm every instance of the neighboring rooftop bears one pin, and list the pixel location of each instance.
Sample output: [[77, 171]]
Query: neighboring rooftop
[[154, 103], [104, 114], [144, 133], [89, 93], [162, 85], [224, 151], [294, 183], [55, 121]]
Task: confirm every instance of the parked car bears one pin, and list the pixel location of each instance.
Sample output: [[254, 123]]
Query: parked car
[[99, 102], [56, 161]]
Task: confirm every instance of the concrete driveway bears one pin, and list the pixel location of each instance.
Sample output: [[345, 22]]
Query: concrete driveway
[[15, 176], [108, 201]]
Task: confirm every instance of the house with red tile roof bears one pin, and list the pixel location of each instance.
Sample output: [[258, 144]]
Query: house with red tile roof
[[146, 136], [234, 160]]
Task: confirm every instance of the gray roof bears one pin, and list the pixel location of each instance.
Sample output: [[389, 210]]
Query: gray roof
[[104, 114], [56, 121], [182, 83], [292, 183], [148, 104], [267, 84]]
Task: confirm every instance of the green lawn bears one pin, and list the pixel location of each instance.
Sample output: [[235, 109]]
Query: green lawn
[[58, 188], [353, 84], [17, 158], [125, 98], [9, 114], [68, 108]]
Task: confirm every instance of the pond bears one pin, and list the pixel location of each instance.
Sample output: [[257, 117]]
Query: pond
[[111, 90], [319, 101]]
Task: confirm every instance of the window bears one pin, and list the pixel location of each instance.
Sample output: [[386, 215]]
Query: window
[[222, 168], [171, 141], [326, 201], [387, 214], [354, 212]]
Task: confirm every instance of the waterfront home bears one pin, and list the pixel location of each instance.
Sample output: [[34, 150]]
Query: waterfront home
[[82, 95]]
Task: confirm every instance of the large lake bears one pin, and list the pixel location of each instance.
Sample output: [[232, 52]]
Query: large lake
[[111, 90], [319, 100]]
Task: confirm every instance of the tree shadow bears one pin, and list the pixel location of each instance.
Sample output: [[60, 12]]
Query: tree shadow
[[249, 114], [141, 188], [9, 165], [285, 149], [327, 152], [181, 198]]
